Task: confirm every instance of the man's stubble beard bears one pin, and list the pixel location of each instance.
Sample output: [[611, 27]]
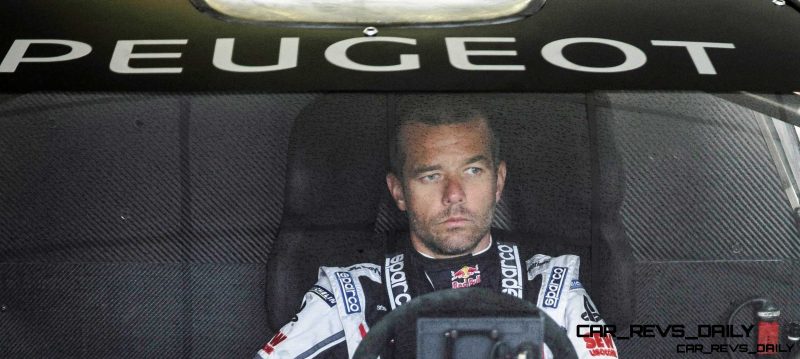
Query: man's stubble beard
[[444, 243]]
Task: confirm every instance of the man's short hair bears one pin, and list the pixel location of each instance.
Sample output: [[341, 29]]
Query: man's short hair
[[436, 110]]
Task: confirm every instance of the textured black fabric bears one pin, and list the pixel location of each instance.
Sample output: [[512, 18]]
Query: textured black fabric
[[611, 256], [705, 293], [699, 181], [110, 205], [337, 162], [545, 143], [90, 177], [143, 177], [133, 310], [237, 148]]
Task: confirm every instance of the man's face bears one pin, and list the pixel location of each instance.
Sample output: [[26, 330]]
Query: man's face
[[449, 187]]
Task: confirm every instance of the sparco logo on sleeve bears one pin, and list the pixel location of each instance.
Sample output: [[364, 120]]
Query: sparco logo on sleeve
[[511, 271], [552, 294], [396, 281], [349, 292]]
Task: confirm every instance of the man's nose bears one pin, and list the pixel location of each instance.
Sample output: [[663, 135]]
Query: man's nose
[[453, 192]]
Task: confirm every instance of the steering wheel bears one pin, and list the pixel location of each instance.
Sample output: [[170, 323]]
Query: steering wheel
[[400, 324]]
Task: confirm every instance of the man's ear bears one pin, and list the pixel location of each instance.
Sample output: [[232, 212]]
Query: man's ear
[[396, 189], [501, 180]]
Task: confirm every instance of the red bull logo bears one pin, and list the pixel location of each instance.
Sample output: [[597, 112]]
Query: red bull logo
[[467, 276]]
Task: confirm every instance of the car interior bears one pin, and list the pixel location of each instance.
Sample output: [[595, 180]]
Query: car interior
[[141, 224]]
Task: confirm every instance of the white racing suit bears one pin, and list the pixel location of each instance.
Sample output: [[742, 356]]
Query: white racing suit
[[337, 311]]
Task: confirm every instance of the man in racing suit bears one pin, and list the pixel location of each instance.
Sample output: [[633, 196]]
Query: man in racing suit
[[447, 176]]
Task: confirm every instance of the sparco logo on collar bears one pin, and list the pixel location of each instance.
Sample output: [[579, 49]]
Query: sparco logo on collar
[[349, 292], [510, 269], [396, 281], [552, 294]]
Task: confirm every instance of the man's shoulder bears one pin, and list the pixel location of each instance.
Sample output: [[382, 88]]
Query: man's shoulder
[[544, 250], [370, 271], [540, 263]]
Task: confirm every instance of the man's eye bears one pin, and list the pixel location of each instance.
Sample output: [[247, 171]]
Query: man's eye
[[474, 170], [430, 177]]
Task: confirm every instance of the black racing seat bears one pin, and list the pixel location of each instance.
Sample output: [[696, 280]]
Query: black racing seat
[[562, 193]]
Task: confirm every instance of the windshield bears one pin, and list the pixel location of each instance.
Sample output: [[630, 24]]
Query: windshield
[[146, 219]]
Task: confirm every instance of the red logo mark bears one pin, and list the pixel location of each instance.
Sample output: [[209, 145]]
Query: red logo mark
[[467, 276], [768, 337], [600, 345], [277, 339]]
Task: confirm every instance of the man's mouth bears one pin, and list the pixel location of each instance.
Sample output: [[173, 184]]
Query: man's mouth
[[456, 221]]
